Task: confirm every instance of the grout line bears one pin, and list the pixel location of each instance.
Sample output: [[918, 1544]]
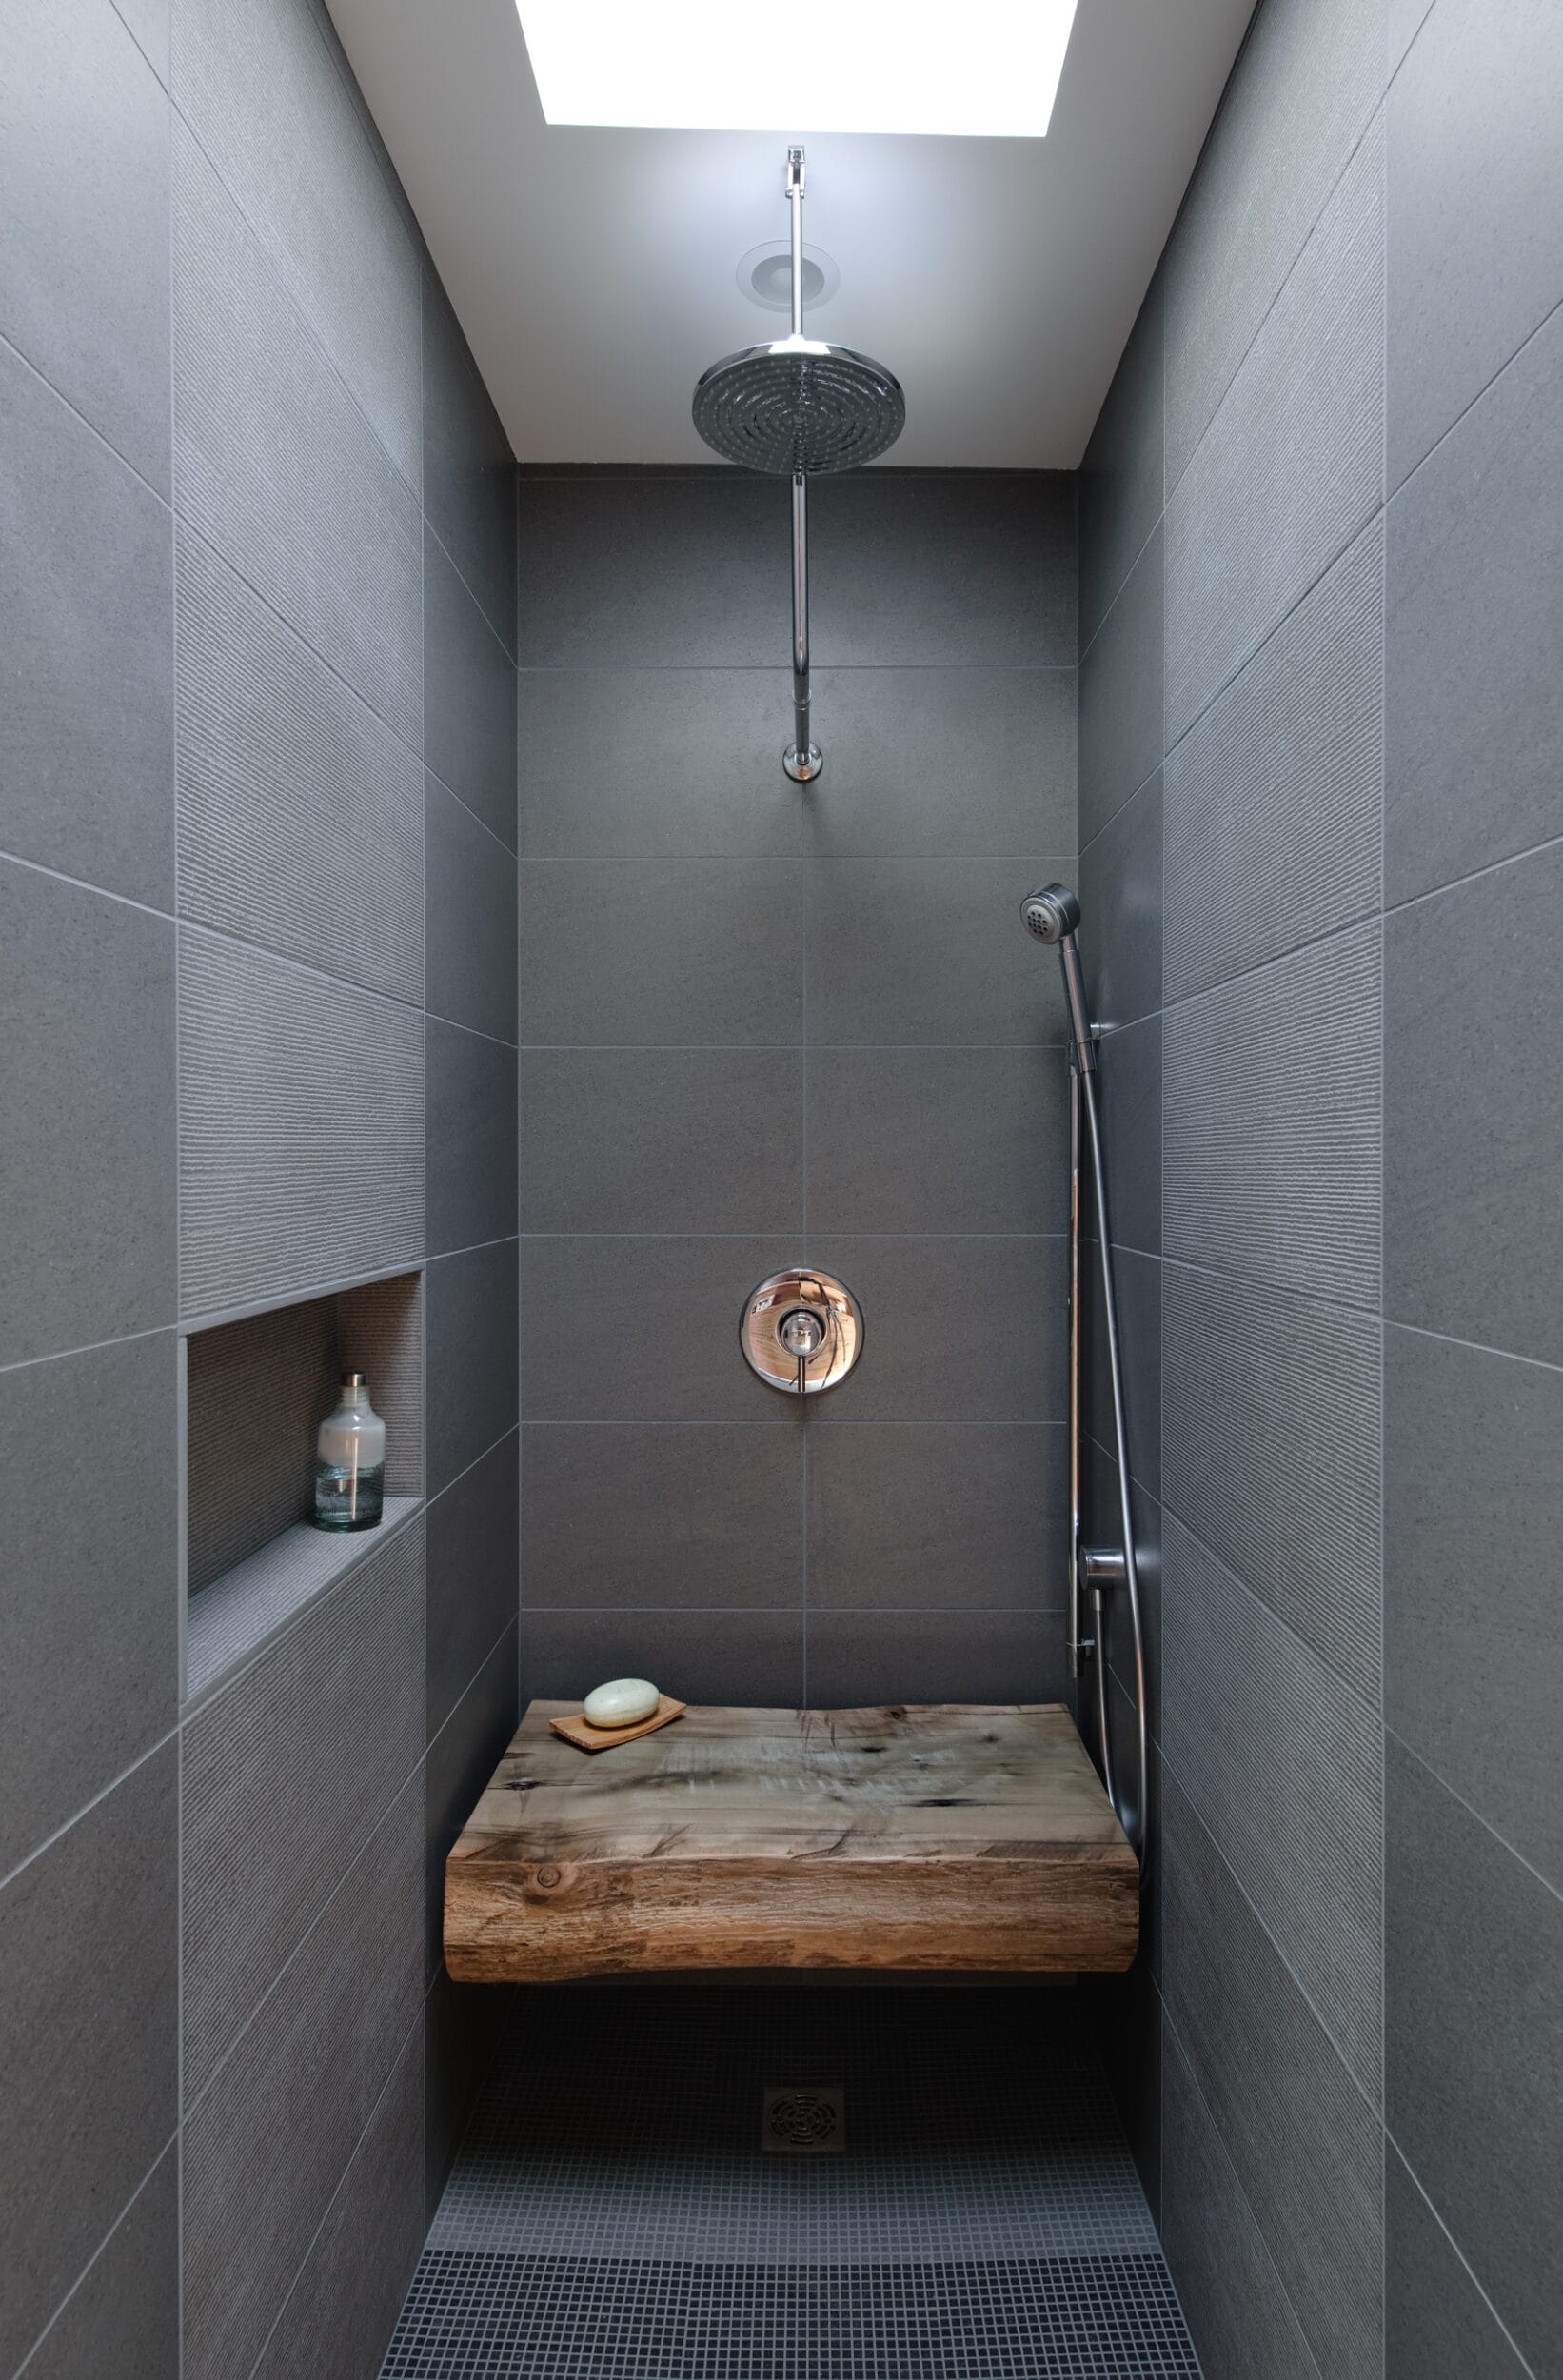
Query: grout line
[[1454, 2245], [1023, 1238], [514, 1622], [1394, 1736], [1472, 1347], [1337, 1308], [1375, 1708], [8, 346], [93, 1347], [477, 819], [1444, 435], [168, 1737], [171, 2143], [1475, 875]]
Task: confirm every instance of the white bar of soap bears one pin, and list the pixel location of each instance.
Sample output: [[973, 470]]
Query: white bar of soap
[[620, 1703]]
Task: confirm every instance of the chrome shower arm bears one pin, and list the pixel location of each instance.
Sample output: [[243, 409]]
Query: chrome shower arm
[[803, 760], [795, 199]]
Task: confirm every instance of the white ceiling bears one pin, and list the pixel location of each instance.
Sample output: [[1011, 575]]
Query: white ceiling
[[594, 270]]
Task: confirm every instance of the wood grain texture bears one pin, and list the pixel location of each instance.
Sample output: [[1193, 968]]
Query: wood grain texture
[[942, 1836]]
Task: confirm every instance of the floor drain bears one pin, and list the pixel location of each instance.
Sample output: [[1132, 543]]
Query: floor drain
[[804, 2117]]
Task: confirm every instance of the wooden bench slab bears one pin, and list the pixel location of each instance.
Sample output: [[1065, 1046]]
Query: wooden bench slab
[[942, 1836]]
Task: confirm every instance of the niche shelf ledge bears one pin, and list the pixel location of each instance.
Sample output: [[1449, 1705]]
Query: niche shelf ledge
[[251, 1603]]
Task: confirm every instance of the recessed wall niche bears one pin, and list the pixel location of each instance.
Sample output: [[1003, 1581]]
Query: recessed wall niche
[[256, 1392]]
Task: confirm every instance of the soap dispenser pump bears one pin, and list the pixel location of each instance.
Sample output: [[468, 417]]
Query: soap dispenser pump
[[351, 1461]]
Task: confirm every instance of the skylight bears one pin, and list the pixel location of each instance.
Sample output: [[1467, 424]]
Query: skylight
[[970, 67]]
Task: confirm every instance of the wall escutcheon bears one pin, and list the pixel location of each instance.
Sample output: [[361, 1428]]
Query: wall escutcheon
[[802, 1332]]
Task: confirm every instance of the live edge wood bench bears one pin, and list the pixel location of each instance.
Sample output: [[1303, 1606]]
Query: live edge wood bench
[[945, 1835]]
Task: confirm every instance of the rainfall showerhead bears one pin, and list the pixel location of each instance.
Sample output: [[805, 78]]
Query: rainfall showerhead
[[1051, 913]]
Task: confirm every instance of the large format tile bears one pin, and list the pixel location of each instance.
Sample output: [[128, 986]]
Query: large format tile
[[463, 2027], [266, 2147], [285, 1774], [301, 1127], [1120, 480], [89, 2052], [680, 950], [463, 1755], [1473, 703], [262, 92], [123, 2314], [471, 1357], [917, 950], [87, 988], [472, 1576], [1293, 464], [1270, 1123], [1273, 801], [1102, 1523], [1309, 77], [631, 763], [1305, 2145], [914, 1515], [1273, 1452], [300, 814], [1473, 2046], [1129, 1113], [1120, 694], [84, 221], [881, 1655], [86, 663], [955, 1329], [635, 1329], [90, 1675], [1138, 1294], [469, 697], [471, 1123], [1283, 1762], [469, 478], [660, 1140], [1473, 1681], [277, 467], [1476, 210], [470, 918], [1438, 2325], [1473, 1111], [650, 1515], [1120, 901], [749, 1657], [937, 1140]]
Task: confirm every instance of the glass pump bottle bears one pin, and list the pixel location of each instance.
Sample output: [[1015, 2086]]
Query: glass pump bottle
[[351, 1461]]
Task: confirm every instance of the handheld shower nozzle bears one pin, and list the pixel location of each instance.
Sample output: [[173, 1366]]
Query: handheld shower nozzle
[[1051, 913]]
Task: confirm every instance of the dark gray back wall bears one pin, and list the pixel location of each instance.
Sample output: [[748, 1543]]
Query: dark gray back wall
[[1319, 803], [761, 1021], [257, 812]]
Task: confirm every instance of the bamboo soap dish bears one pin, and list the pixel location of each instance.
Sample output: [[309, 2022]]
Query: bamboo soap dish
[[578, 1730]]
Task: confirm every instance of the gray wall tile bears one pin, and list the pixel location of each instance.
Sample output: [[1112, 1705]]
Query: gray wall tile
[[123, 2315], [87, 1020], [1307, 79], [267, 2146], [1137, 1287], [858, 1659], [469, 478], [937, 1140], [1474, 2045], [88, 2060], [754, 1657], [90, 1675], [301, 1127], [84, 221], [471, 1359], [912, 1516], [930, 951], [463, 2025], [462, 1757], [667, 1140], [469, 698], [285, 1774], [653, 1515], [300, 815], [1121, 896], [1283, 1762], [1274, 800], [1272, 1455], [1270, 1123], [87, 664], [469, 917], [681, 951], [1474, 1183], [263, 95], [472, 1577], [1438, 2325], [1129, 1112], [1303, 2141], [1476, 210], [1293, 464], [1102, 1523], [1120, 474], [470, 1098], [1121, 695], [1474, 710], [256, 1392], [955, 1329], [1473, 1491], [278, 468]]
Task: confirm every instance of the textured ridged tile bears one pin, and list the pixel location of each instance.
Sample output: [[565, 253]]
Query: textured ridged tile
[[89, 2050], [343, 2305], [286, 1774], [469, 477], [254, 1602], [1120, 693], [1240, 2316], [300, 814], [1272, 1455], [1273, 801], [1270, 1123], [300, 1128], [1474, 2045], [1120, 475], [1438, 2325], [1293, 464], [1284, 1764], [269, 107], [380, 1332], [266, 2147], [257, 1390], [123, 2315], [1305, 2145], [473, 1574], [906, 1514], [1306, 83], [275, 465], [90, 1675], [461, 1758], [653, 1514]]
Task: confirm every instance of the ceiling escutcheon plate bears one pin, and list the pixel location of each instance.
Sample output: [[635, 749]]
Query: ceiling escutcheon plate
[[802, 1331]]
